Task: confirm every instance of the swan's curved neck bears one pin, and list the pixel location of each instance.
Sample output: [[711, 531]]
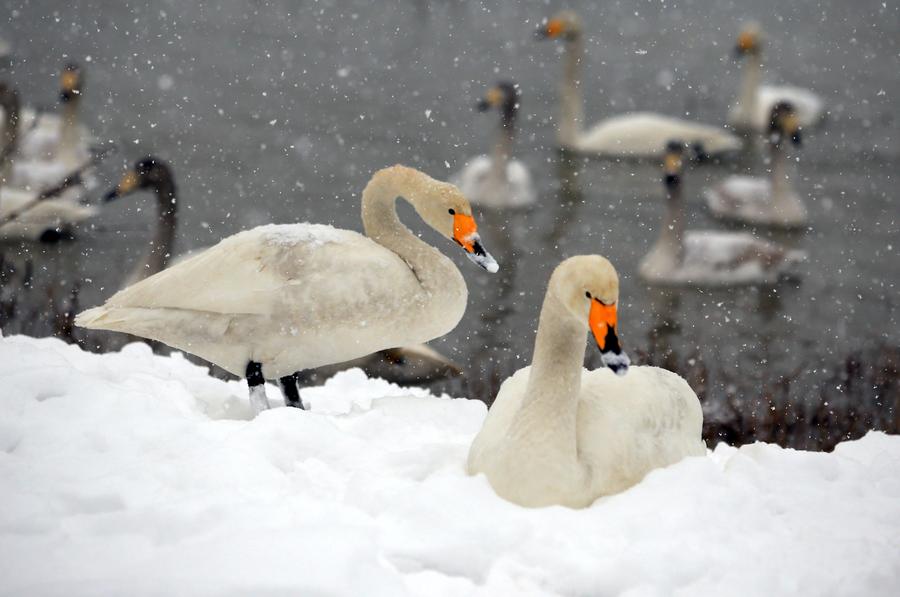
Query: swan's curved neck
[[157, 258], [571, 102], [381, 224], [70, 133], [748, 94]]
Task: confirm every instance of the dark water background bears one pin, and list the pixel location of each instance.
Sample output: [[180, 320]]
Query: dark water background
[[279, 111]]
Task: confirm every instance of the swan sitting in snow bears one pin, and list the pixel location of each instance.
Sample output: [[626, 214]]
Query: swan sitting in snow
[[271, 301], [560, 434], [768, 201], [498, 181], [639, 134], [708, 258], [755, 102]]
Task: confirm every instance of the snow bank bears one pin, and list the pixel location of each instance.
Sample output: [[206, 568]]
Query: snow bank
[[136, 474]]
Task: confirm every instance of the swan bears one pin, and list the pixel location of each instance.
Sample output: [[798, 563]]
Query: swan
[[768, 201], [708, 258], [558, 434], [276, 299], [755, 101], [25, 214], [638, 134], [407, 364], [50, 146], [498, 181]]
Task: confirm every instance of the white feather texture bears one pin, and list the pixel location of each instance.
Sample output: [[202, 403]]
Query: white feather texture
[[476, 182], [61, 212]]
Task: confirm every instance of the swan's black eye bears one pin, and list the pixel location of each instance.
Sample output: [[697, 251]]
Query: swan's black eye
[[587, 294], [452, 211]]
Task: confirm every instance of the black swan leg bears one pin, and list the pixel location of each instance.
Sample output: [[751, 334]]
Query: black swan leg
[[290, 387], [257, 384]]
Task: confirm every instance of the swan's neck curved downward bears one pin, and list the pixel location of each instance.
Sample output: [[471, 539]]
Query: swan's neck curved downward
[[157, 258], [70, 134], [571, 114], [748, 93], [435, 272]]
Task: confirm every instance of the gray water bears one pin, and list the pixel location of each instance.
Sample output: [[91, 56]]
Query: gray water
[[278, 111]]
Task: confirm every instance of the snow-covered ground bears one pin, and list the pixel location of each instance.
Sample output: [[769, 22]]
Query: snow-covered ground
[[134, 474]]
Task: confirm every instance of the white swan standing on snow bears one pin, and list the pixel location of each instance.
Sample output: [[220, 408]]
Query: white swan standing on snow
[[498, 181], [638, 134], [755, 101], [708, 258], [24, 215], [768, 201], [271, 301], [560, 434]]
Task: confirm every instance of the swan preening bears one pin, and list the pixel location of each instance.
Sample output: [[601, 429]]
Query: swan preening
[[560, 434], [708, 258], [277, 299], [638, 134], [498, 180], [768, 201], [755, 101]]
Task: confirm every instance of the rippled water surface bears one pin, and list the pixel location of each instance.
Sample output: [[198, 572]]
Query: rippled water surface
[[279, 112]]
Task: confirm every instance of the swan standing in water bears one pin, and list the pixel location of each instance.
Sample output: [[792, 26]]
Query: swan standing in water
[[639, 134], [24, 215], [560, 434], [271, 301], [708, 258], [498, 181], [768, 201], [755, 101]]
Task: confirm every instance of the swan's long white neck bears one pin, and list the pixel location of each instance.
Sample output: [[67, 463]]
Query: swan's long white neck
[[571, 113], [748, 93], [671, 236], [381, 224], [550, 405], [780, 172], [501, 153], [70, 134]]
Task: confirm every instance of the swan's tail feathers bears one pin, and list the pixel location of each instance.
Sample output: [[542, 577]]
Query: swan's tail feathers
[[91, 318]]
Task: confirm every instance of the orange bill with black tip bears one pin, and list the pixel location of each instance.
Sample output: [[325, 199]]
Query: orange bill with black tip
[[465, 233], [127, 184], [602, 319]]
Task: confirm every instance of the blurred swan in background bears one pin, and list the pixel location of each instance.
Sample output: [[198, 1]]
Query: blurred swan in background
[[768, 201], [708, 258], [560, 434], [755, 101], [277, 299], [30, 214], [637, 134], [498, 181]]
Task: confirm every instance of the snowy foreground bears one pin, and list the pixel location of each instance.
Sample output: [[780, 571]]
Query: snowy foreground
[[134, 474]]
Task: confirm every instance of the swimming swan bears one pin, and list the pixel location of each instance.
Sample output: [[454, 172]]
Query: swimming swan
[[498, 181], [271, 301], [755, 101], [769, 201], [560, 434], [708, 258], [638, 134]]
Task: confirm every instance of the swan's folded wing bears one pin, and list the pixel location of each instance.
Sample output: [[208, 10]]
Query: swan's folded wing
[[274, 268]]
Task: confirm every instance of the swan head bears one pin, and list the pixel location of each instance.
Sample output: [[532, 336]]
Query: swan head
[[70, 81], [148, 173], [563, 25], [784, 124], [588, 287], [749, 41], [673, 164], [505, 97]]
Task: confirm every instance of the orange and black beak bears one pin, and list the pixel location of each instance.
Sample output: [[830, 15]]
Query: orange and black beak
[[551, 29], [492, 99], [746, 44], [69, 84], [128, 184], [465, 233], [602, 321], [792, 129]]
